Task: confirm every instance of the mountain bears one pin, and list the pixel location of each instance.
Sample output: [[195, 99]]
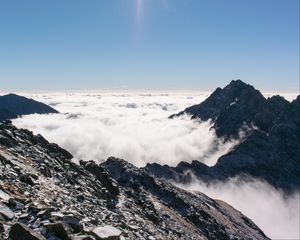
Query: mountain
[[237, 106], [45, 195], [270, 151], [12, 106]]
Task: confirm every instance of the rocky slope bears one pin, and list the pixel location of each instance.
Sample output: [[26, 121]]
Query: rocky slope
[[237, 107], [44, 195], [270, 151], [12, 105]]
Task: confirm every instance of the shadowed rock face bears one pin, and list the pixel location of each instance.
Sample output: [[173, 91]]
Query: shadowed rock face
[[208, 218], [12, 106], [60, 198], [235, 107], [270, 152]]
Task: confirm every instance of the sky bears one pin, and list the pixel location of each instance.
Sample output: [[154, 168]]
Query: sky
[[148, 44]]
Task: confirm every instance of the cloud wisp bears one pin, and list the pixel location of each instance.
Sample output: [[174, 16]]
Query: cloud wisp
[[275, 213]]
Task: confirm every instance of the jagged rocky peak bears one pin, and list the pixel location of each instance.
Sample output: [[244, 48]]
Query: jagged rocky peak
[[12, 106], [238, 106], [44, 195], [270, 152]]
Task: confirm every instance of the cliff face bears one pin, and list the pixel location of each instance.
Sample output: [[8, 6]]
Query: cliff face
[[270, 151], [44, 195], [12, 106], [237, 106]]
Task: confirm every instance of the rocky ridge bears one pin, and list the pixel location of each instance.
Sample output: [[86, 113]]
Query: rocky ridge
[[12, 106], [236, 107], [270, 149], [44, 195]]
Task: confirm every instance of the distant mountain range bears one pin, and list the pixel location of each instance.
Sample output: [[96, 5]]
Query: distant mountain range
[[270, 149], [12, 106]]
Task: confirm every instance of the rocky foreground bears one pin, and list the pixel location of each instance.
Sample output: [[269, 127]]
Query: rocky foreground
[[44, 195]]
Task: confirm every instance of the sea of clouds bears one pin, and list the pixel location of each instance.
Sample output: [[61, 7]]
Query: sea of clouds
[[134, 125], [129, 125]]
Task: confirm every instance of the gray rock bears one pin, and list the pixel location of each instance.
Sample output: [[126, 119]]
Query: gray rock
[[20, 231], [83, 237], [1, 227], [45, 171], [26, 178], [59, 229], [4, 195], [73, 222], [107, 232], [6, 212]]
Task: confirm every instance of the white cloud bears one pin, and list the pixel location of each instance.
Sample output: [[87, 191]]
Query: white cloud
[[129, 125], [275, 213]]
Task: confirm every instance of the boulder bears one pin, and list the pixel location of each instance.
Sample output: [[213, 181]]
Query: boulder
[[59, 229], [73, 222], [6, 212], [20, 231], [107, 232]]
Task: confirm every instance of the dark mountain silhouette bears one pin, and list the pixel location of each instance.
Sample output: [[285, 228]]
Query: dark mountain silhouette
[[270, 151], [12, 106], [235, 107]]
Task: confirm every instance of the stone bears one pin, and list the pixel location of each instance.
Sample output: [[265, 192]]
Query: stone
[[59, 229], [6, 212], [1, 227], [83, 237], [73, 222], [44, 214], [107, 232], [20, 231], [57, 215], [4, 196], [26, 178], [45, 171], [16, 205]]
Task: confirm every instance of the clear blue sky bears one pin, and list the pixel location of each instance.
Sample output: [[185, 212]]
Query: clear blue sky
[[199, 44]]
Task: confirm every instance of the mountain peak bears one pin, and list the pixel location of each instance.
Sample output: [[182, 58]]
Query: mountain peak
[[229, 108], [237, 82], [13, 105]]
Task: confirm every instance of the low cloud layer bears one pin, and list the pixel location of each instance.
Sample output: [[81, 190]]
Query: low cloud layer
[[135, 126], [129, 125], [275, 213]]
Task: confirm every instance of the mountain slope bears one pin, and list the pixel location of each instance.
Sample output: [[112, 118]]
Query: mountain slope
[[44, 195], [237, 106], [270, 151], [12, 105]]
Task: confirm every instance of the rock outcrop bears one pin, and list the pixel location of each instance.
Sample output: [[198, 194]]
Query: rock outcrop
[[12, 106], [44, 195], [269, 151], [237, 107]]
